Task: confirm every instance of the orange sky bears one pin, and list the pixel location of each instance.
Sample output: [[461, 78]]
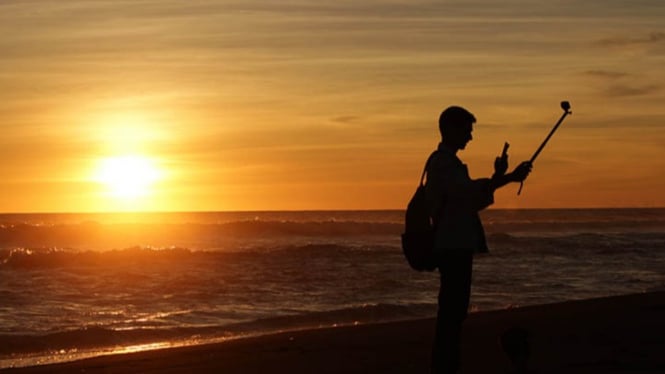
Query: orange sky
[[263, 105]]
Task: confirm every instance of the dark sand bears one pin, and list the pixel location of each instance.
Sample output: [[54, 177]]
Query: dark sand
[[623, 334]]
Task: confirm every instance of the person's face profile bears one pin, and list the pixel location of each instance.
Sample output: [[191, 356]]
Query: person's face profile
[[462, 134]]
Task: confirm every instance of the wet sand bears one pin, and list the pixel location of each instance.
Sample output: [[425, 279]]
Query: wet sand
[[624, 334]]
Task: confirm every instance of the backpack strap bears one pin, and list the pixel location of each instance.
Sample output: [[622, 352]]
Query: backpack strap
[[422, 176], [435, 218]]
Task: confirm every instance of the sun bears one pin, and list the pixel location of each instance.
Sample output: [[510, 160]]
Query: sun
[[128, 177]]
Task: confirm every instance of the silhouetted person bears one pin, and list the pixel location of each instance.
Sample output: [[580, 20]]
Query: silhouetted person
[[455, 200]]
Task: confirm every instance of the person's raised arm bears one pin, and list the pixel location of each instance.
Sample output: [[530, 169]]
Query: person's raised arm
[[518, 175]]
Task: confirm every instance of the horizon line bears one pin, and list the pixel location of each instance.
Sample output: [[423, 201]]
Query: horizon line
[[310, 210]]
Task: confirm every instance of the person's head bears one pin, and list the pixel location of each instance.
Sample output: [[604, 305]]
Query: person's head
[[455, 126]]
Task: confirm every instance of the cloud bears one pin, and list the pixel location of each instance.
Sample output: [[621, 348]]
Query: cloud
[[653, 38], [346, 119], [624, 90], [605, 74], [621, 84]]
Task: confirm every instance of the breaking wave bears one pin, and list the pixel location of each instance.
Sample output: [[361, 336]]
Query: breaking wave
[[99, 336]]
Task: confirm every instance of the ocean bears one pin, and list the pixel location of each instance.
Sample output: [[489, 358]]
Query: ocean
[[80, 285]]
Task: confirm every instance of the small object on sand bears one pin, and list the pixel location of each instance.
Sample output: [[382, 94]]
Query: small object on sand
[[515, 342]]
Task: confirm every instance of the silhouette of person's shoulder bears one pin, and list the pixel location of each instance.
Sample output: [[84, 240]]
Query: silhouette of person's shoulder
[[443, 159]]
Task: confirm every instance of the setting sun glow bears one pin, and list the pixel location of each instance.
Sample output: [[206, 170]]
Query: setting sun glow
[[248, 105], [128, 177]]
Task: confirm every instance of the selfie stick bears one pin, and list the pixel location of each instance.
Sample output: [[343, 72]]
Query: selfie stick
[[566, 111]]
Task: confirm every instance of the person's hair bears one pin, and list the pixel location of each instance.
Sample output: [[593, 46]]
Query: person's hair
[[454, 116]]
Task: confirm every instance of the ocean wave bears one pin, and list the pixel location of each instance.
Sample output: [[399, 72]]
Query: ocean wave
[[501, 243], [51, 257], [17, 258], [575, 244], [215, 230], [100, 336], [106, 236]]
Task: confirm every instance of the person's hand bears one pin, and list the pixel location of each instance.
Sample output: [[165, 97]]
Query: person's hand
[[501, 165], [521, 171]]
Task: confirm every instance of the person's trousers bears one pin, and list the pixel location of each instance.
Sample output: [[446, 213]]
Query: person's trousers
[[455, 290]]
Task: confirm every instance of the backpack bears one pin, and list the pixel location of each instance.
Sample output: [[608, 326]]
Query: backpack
[[419, 229]]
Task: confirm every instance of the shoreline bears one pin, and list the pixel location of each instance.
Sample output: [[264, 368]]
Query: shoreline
[[621, 334]]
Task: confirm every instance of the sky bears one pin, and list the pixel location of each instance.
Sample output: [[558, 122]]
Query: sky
[[304, 105]]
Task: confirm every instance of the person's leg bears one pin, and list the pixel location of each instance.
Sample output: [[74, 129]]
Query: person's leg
[[454, 294]]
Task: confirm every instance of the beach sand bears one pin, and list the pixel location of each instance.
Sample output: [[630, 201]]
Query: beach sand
[[624, 334]]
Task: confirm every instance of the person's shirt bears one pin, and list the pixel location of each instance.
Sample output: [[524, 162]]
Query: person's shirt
[[455, 200]]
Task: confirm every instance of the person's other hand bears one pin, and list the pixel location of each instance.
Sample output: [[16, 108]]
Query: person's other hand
[[521, 171]]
